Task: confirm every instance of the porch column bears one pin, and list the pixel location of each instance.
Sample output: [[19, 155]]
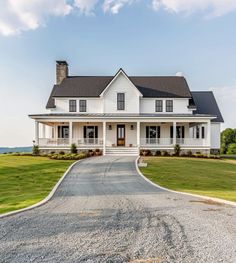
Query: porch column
[[174, 133], [208, 142], [43, 130], [138, 134], [70, 132], [104, 137], [36, 133]]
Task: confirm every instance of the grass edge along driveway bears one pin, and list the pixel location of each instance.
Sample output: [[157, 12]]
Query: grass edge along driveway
[[213, 178], [26, 180]]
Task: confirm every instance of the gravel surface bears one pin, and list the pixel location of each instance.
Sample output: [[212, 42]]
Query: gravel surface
[[105, 212]]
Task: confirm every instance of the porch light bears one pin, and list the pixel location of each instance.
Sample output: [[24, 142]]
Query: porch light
[[132, 127], [110, 127]]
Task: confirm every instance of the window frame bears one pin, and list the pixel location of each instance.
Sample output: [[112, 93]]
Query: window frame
[[120, 101], [159, 108], [82, 107], [72, 105], [169, 107]]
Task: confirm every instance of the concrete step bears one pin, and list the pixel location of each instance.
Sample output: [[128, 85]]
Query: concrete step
[[122, 151]]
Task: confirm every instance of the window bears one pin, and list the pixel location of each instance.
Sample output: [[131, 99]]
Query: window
[[159, 105], [120, 101], [203, 132], [82, 105], [91, 134], [169, 106], [197, 132], [63, 132], [72, 105], [153, 134]]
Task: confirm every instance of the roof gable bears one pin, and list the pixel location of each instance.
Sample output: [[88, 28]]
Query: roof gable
[[121, 71]]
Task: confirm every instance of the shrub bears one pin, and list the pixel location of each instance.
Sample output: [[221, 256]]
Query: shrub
[[232, 148], [71, 156], [35, 150], [189, 153], [158, 153], [147, 153], [98, 152], [52, 152], [177, 150], [165, 153], [61, 153], [73, 148]]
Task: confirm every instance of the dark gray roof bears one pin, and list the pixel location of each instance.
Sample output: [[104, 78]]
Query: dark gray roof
[[93, 86], [206, 104]]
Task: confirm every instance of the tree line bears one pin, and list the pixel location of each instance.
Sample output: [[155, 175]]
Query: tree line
[[228, 141]]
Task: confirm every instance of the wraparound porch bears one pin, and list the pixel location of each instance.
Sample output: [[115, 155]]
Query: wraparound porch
[[156, 135]]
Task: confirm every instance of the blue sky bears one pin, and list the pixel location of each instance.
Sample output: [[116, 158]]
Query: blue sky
[[155, 37]]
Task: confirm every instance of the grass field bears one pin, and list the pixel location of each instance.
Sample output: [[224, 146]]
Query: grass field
[[214, 178], [25, 180]]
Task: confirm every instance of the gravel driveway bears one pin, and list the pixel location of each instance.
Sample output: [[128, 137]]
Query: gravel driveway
[[105, 212]]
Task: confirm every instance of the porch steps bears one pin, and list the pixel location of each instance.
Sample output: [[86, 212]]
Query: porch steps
[[122, 151]]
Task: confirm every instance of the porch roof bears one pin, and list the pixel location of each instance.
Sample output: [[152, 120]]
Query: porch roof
[[119, 116]]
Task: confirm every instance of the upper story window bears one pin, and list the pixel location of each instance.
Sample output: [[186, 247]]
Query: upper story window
[[72, 106], [159, 106], [169, 105], [82, 105], [120, 101]]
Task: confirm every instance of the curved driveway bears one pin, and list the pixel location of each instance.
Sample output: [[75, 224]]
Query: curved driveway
[[105, 212]]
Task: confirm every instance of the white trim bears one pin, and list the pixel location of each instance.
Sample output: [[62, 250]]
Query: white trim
[[115, 77], [218, 200], [45, 200]]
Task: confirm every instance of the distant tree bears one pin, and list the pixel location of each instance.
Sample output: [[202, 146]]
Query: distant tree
[[228, 136], [232, 148]]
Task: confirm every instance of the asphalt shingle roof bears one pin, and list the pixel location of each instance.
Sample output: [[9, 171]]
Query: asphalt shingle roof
[[206, 104]]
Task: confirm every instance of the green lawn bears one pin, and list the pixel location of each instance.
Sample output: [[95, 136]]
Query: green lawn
[[214, 178], [25, 180]]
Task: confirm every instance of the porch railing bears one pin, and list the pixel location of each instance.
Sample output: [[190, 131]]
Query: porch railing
[[47, 142], [170, 142]]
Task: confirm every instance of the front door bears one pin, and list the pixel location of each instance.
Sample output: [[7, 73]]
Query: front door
[[120, 135]]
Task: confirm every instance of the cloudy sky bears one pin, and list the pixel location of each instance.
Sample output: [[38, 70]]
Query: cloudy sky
[[145, 37]]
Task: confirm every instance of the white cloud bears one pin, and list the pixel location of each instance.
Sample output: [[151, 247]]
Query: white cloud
[[85, 6], [213, 8], [114, 6], [226, 97], [21, 15]]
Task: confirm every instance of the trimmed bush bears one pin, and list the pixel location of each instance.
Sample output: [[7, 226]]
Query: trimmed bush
[[177, 150], [35, 150], [158, 153], [73, 148]]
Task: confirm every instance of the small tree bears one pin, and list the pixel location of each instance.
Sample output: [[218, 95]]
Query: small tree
[[73, 148], [177, 150], [35, 150]]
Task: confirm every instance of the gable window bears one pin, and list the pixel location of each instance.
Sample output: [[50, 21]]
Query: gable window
[[72, 106], [169, 106], [120, 101], [159, 106], [153, 134], [82, 105]]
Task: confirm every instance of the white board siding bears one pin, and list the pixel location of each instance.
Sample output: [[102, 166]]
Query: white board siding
[[132, 98], [215, 135], [180, 106], [94, 105]]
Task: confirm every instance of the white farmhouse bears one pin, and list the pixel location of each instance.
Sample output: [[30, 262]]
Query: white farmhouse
[[122, 114]]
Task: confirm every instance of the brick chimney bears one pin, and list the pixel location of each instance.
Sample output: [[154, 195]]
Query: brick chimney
[[61, 71]]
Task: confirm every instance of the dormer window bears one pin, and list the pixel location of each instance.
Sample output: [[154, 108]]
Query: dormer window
[[159, 106], [169, 106], [72, 106], [120, 101], [82, 105]]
